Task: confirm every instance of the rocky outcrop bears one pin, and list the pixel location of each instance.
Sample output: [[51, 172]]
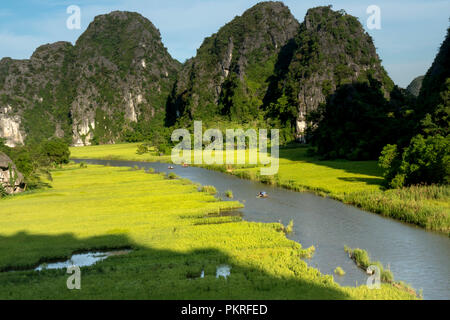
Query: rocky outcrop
[[415, 86], [10, 127], [229, 74], [124, 75], [11, 180], [31, 96], [331, 49], [118, 74]]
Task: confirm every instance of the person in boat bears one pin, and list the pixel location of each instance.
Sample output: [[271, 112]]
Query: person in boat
[[262, 194]]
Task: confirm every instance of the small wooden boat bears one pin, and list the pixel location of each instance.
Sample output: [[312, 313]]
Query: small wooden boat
[[185, 165], [171, 168], [262, 195]]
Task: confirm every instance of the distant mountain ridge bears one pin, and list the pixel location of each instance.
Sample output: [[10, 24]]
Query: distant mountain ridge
[[119, 82], [415, 86]]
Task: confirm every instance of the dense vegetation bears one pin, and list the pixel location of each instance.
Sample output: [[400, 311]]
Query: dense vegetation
[[426, 158], [330, 50], [359, 122], [35, 160]]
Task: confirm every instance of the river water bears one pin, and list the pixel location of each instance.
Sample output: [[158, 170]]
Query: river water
[[415, 256]]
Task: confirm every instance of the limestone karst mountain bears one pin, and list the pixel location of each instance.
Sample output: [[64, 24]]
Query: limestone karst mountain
[[331, 49], [118, 82], [117, 77], [229, 75]]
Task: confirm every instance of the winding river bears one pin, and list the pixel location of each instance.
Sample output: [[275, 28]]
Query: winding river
[[415, 256]]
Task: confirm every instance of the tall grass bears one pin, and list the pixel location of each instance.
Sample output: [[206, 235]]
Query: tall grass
[[209, 189], [339, 271], [362, 260], [422, 192], [425, 206]]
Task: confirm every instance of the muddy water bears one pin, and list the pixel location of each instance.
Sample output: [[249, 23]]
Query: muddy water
[[414, 255], [82, 260]]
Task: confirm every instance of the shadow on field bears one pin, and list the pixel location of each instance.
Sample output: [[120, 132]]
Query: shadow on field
[[24, 251], [145, 273], [356, 167], [368, 181]]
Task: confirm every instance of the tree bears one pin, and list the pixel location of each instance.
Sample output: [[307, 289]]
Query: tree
[[425, 161], [56, 151], [438, 122], [355, 123]]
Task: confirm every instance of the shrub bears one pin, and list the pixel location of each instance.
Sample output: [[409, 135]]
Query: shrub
[[172, 176], [420, 205], [56, 151], [339, 271], [387, 276], [424, 161], [3, 192], [209, 189], [362, 259], [270, 180], [229, 194], [142, 149], [289, 228], [164, 149]]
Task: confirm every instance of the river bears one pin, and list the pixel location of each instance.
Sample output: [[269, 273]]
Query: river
[[415, 256]]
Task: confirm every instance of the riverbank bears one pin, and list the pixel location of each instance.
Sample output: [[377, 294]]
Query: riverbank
[[100, 208], [358, 183]]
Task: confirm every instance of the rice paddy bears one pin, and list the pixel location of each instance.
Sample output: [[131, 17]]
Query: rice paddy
[[358, 183], [178, 239]]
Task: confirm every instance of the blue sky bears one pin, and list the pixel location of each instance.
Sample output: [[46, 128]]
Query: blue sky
[[411, 33]]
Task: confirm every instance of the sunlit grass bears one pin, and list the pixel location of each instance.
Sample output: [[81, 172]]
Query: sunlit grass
[[358, 183], [175, 231]]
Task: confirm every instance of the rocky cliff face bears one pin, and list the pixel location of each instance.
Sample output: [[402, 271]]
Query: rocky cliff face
[[119, 74], [415, 86], [331, 49], [124, 75], [230, 72], [10, 127], [11, 180], [434, 98], [29, 94]]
